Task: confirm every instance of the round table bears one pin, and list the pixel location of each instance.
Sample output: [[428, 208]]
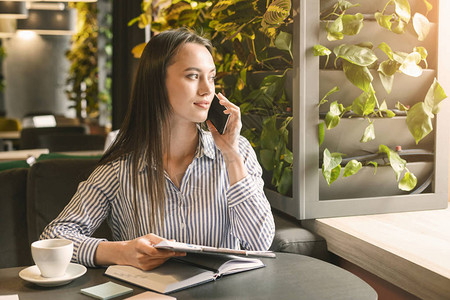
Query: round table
[[289, 276]]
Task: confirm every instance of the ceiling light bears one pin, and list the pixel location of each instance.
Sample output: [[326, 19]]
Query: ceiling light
[[47, 6], [69, 0], [50, 22], [13, 10]]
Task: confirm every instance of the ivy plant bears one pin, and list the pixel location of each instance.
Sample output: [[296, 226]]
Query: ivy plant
[[356, 62]]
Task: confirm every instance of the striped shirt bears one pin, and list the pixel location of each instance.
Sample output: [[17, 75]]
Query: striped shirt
[[205, 210]]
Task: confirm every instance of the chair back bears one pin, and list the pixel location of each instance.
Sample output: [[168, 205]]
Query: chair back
[[9, 124], [51, 185], [72, 142], [14, 249], [30, 137]]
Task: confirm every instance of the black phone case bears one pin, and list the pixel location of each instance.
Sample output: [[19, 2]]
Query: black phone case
[[216, 115]]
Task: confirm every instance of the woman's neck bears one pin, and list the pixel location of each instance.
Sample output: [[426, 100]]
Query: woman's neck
[[183, 143]]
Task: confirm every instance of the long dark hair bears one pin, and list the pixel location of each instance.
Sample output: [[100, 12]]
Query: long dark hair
[[145, 129]]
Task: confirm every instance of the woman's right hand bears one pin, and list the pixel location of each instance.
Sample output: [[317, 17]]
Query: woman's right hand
[[138, 253]]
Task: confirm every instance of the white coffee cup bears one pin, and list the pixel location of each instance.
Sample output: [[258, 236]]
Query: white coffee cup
[[52, 256]]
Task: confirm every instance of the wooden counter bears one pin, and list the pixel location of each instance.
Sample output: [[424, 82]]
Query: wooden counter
[[410, 250]]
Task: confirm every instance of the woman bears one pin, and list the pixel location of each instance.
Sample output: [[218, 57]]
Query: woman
[[164, 177]]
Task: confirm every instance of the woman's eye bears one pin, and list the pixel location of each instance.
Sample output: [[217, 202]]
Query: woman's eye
[[193, 76]]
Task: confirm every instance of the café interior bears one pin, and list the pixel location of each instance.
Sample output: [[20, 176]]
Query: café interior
[[358, 182]]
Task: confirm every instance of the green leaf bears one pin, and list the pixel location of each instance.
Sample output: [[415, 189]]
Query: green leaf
[[387, 81], [397, 163], [344, 5], [267, 161], [331, 160], [334, 30], [419, 121], [410, 65], [359, 76], [357, 55], [369, 133], [283, 41], [272, 85], [277, 12], [399, 56], [408, 182], [386, 49], [389, 113], [333, 116], [288, 156], [423, 54], [285, 182], [421, 26], [321, 132], [269, 134], [386, 71], [352, 24], [332, 91], [331, 167], [384, 20], [220, 6], [364, 104], [319, 50], [401, 27], [434, 97], [403, 10], [352, 167], [401, 107]]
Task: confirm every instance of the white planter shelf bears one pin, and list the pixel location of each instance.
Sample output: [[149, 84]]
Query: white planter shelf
[[363, 193]]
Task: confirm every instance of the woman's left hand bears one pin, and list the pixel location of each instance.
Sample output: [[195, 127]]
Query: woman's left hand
[[228, 141]]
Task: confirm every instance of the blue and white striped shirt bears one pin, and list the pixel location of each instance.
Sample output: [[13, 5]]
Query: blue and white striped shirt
[[205, 210]]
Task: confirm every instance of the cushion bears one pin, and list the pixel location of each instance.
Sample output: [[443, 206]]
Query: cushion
[[290, 237], [15, 248]]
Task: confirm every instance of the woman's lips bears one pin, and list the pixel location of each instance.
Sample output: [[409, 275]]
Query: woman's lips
[[202, 104]]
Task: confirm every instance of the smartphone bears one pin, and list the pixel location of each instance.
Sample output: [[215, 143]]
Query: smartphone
[[216, 115]]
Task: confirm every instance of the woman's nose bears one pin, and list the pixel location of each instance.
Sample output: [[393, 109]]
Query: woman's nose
[[206, 87]]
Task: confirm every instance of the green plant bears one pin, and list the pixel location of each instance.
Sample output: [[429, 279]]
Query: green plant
[[253, 53], [82, 82], [356, 61]]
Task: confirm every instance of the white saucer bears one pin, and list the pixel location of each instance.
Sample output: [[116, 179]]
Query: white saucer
[[32, 274]]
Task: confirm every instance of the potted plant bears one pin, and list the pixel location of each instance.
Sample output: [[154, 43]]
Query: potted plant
[[82, 82]]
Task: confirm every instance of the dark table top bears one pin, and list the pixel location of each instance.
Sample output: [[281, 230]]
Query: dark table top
[[289, 276]]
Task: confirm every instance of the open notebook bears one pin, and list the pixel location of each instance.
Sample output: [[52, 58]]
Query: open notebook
[[184, 272]]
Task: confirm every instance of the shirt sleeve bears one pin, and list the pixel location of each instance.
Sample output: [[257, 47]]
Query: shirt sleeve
[[250, 212], [87, 209]]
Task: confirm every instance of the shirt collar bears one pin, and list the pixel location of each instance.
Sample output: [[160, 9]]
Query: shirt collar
[[205, 147], [206, 144]]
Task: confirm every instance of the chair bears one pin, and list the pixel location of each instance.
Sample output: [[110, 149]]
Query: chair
[[14, 249], [29, 137], [50, 186], [72, 142], [9, 124]]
